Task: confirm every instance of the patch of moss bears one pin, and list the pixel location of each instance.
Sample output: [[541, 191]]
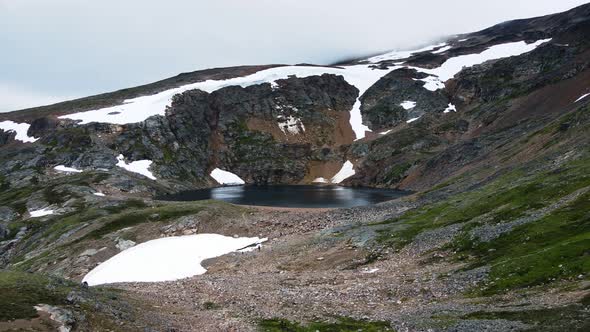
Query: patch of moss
[[4, 184], [397, 172], [568, 318], [126, 205], [20, 292], [211, 306], [342, 325], [554, 247], [507, 198], [149, 214]]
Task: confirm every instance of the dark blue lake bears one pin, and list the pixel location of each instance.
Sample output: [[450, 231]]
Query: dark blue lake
[[320, 196]]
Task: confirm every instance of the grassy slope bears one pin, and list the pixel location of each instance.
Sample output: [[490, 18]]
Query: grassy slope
[[342, 325], [100, 308], [555, 246], [21, 291]]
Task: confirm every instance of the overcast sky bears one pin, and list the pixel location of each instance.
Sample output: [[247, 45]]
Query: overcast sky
[[53, 50]]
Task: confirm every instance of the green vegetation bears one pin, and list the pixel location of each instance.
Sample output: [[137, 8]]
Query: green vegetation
[[555, 247], [552, 248], [150, 214], [16, 197], [569, 318], [397, 172], [22, 291], [211, 306], [342, 325]]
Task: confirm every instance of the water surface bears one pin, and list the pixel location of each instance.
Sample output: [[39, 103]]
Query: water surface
[[320, 196]]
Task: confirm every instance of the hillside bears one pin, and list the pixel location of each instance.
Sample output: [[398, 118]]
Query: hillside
[[490, 131]]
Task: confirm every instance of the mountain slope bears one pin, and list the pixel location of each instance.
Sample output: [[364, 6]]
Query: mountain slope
[[489, 129]]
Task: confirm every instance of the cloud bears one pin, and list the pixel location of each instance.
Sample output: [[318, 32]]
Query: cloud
[[83, 47]]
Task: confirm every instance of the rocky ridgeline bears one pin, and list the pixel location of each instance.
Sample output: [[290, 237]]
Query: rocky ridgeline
[[298, 129], [244, 130]]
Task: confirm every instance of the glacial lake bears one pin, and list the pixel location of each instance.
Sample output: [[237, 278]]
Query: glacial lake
[[294, 196]]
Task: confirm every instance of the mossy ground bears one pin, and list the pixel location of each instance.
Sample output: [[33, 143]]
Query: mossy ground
[[20, 292], [554, 247], [570, 318], [342, 325]]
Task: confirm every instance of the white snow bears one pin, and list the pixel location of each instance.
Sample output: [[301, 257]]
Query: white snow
[[62, 168], [408, 104], [450, 108], [397, 55], [320, 180], [462, 40], [166, 259], [255, 246], [225, 177], [99, 194], [140, 108], [454, 65], [442, 50], [20, 129], [412, 120], [367, 270], [345, 172], [41, 212], [139, 166], [361, 76], [386, 132], [432, 83], [584, 96], [291, 125]]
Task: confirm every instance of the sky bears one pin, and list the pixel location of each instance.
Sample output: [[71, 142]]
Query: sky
[[62, 49]]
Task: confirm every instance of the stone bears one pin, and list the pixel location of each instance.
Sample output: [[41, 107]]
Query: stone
[[124, 244]]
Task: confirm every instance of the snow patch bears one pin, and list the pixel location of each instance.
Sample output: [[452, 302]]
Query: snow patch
[[20, 129], [62, 168], [397, 55], [225, 177], [99, 194], [584, 96], [345, 172], [291, 125], [166, 259], [367, 270], [454, 65], [320, 180], [41, 213], [408, 104], [139, 166], [450, 108], [362, 77], [431, 83], [442, 50], [140, 108], [412, 120], [254, 246]]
